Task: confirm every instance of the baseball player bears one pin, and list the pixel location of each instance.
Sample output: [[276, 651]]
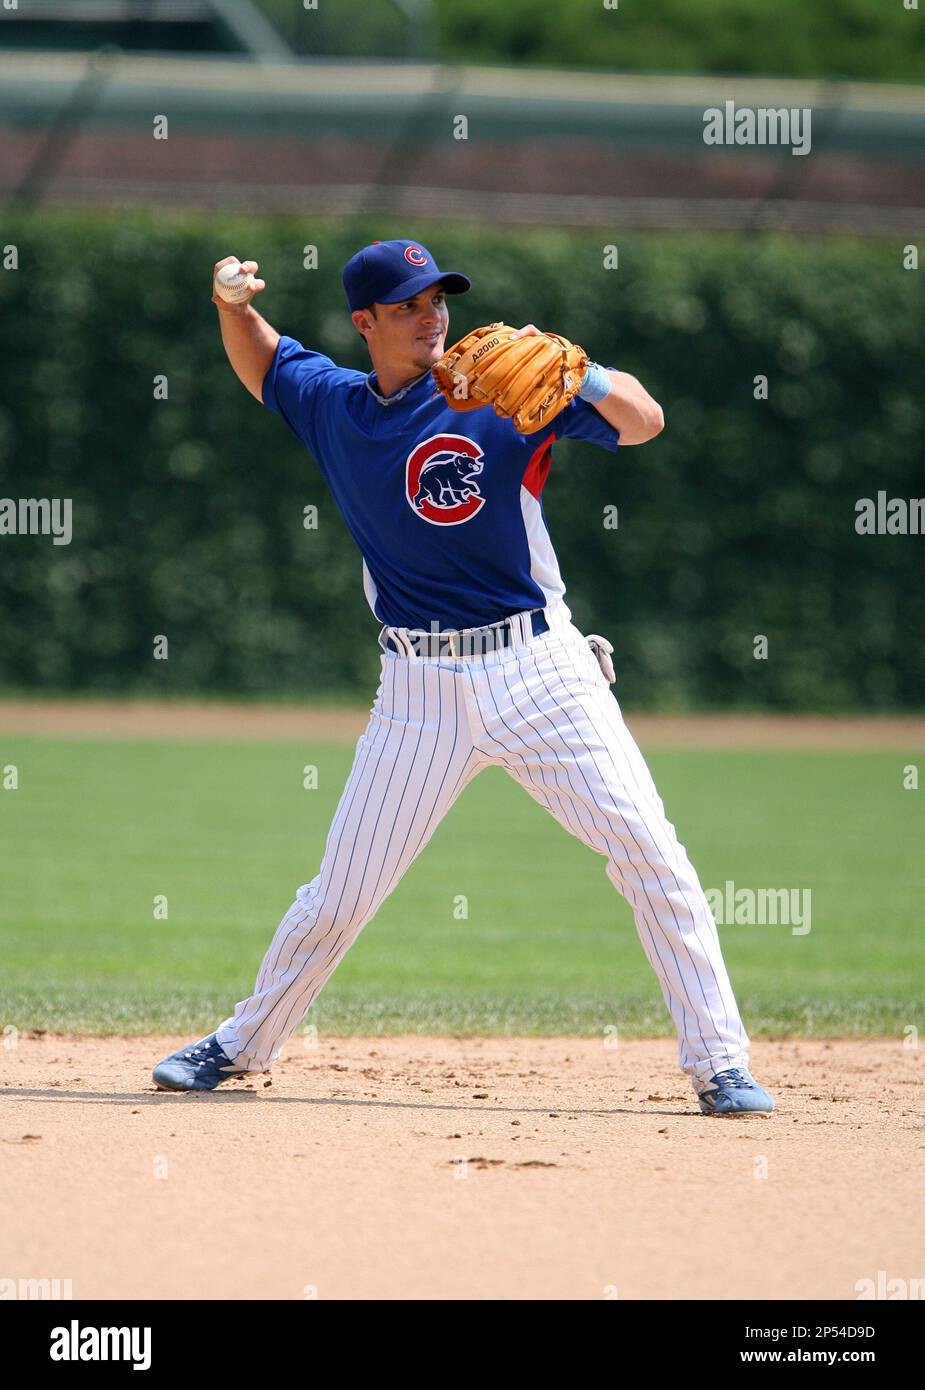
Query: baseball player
[[480, 665]]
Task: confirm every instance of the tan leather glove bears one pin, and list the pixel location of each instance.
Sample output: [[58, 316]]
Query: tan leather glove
[[529, 380]]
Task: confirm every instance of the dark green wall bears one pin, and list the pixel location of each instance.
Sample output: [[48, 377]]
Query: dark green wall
[[738, 520]]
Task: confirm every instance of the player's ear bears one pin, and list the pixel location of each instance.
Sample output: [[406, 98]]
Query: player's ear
[[361, 321]]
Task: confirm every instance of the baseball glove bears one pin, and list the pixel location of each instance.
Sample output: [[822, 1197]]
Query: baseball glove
[[528, 380]]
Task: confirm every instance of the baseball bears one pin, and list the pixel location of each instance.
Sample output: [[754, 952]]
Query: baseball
[[233, 284]]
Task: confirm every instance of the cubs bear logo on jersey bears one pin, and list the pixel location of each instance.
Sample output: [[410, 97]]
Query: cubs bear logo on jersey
[[441, 479]]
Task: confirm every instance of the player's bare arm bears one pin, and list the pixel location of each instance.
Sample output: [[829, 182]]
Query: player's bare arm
[[628, 407], [249, 340], [631, 410]]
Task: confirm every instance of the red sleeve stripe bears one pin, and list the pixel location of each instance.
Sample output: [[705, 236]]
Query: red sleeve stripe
[[537, 470]]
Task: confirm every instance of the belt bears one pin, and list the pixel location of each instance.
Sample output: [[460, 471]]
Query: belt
[[468, 641]]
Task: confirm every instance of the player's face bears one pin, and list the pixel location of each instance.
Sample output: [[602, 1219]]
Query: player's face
[[412, 334]]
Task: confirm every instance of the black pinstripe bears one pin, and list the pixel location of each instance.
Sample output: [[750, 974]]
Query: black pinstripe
[[569, 762], [259, 1029], [501, 704], [681, 996]]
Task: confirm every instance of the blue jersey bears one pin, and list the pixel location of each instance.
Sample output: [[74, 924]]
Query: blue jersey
[[445, 506]]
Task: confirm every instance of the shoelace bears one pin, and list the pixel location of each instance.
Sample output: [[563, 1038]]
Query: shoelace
[[210, 1052], [734, 1077]]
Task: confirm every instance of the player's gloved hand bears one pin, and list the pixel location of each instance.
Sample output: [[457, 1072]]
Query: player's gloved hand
[[527, 376], [247, 294], [602, 649]]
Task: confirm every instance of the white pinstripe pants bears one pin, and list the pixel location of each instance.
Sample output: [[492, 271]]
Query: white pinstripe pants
[[545, 713]]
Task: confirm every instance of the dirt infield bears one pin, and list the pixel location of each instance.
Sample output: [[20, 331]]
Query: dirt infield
[[206, 720], [468, 1168]]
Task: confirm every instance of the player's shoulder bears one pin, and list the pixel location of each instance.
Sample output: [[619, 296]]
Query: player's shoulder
[[294, 356], [301, 379]]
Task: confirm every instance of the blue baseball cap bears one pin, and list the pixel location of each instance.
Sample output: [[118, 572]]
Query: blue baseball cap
[[389, 271]]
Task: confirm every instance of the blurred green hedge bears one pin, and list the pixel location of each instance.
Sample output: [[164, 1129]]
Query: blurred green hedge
[[871, 40], [737, 521]]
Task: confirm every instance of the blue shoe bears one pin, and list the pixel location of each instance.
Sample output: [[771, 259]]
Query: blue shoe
[[735, 1092], [200, 1067]]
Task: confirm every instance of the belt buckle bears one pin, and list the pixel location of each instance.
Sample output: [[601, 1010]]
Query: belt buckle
[[451, 640]]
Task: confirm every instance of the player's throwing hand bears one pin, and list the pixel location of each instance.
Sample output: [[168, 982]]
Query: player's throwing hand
[[234, 283]]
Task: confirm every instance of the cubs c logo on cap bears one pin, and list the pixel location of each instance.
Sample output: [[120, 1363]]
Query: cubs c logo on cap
[[415, 256], [440, 479]]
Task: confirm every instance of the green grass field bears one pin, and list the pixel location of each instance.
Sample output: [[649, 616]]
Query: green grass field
[[98, 829]]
